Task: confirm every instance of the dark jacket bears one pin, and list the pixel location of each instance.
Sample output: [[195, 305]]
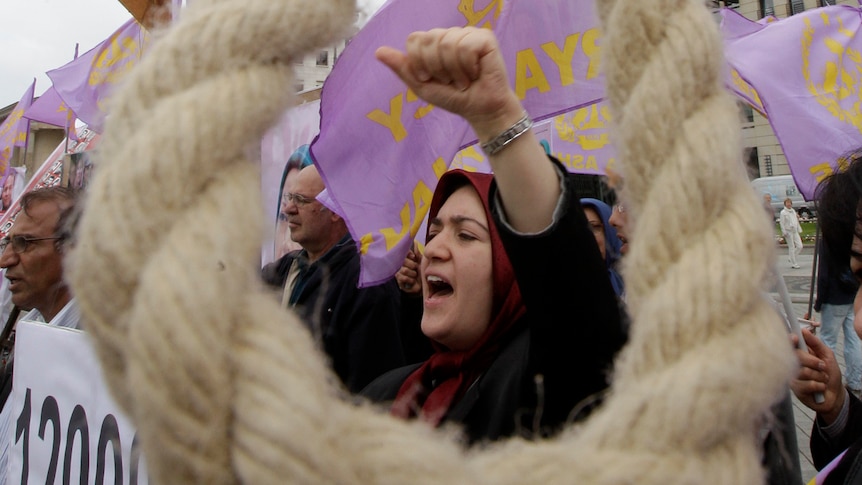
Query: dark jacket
[[566, 349], [835, 286], [358, 327], [823, 451]]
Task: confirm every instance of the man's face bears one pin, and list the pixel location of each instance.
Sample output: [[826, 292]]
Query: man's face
[[7, 191], [309, 221], [283, 241], [36, 275]]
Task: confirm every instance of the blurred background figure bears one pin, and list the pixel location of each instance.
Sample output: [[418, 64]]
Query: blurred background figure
[[791, 229], [836, 289], [598, 217]]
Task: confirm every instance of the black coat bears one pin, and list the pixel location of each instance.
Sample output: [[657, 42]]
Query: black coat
[[571, 334], [358, 327], [823, 451]]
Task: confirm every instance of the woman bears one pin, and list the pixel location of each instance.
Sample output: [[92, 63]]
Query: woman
[[598, 217], [511, 276]]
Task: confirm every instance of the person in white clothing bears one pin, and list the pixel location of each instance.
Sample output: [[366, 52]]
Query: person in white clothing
[[791, 228]]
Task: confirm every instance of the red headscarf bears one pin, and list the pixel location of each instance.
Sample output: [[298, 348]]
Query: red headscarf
[[452, 372]]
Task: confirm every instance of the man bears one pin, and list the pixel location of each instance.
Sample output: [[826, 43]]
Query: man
[[32, 255], [358, 327], [791, 228]]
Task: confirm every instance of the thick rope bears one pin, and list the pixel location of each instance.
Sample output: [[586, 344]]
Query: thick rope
[[226, 387]]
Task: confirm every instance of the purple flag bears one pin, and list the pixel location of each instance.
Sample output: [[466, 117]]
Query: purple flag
[[14, 130], [381, 150], [86, 83], [805, 70], [50, 108]]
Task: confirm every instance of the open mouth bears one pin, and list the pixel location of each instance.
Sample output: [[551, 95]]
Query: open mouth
[[437, 286]]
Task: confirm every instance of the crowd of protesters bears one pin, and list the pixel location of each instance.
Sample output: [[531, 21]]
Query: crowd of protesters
[[474, 329]]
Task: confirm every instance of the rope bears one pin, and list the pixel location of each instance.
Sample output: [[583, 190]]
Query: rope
[[226, 387]]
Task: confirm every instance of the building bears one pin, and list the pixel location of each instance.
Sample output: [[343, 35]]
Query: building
[[764, 155], [312, 70]]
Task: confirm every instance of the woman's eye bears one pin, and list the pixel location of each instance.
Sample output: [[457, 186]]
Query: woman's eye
[[466, 236]]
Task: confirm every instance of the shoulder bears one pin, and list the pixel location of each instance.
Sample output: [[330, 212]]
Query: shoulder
[[274, 273], [385, 387]]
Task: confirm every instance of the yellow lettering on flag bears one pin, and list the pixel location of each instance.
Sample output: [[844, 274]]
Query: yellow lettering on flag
[[422, 202], [592, 50], [391, 120], [529, 74], [473, 17], [563, 58]]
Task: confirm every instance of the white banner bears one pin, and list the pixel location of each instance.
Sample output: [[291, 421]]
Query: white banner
[[63, 425]]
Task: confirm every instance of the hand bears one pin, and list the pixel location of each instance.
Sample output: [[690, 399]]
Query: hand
[[819, 372], [408, 275], [460, 70]]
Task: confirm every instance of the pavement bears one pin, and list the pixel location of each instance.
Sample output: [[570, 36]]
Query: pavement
[[799, 285]]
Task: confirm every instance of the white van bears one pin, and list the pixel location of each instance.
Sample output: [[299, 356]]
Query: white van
[[781, 187]]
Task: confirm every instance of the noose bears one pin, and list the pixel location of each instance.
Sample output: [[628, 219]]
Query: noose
[[226, 387]]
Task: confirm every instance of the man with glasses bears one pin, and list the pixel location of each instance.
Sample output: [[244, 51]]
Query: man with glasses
[[32, 257], [357, 327]]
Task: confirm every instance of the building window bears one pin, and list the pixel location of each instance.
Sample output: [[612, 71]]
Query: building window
[[825, 3], [767, 164], [751, 165], [766, 8], [797, 6], [747, 112], [323, 58], [725, 3]]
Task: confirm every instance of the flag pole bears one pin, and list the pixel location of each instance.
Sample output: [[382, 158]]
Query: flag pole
[[814, 265], [69, 111], [23, 159]]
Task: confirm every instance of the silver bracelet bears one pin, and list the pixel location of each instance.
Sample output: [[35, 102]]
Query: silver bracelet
[[500, 141]]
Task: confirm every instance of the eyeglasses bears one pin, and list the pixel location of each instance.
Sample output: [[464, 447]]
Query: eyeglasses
[[299, 200], [20, 244]]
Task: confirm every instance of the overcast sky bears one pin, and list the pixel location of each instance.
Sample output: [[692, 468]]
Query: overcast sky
[[40, 35]]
